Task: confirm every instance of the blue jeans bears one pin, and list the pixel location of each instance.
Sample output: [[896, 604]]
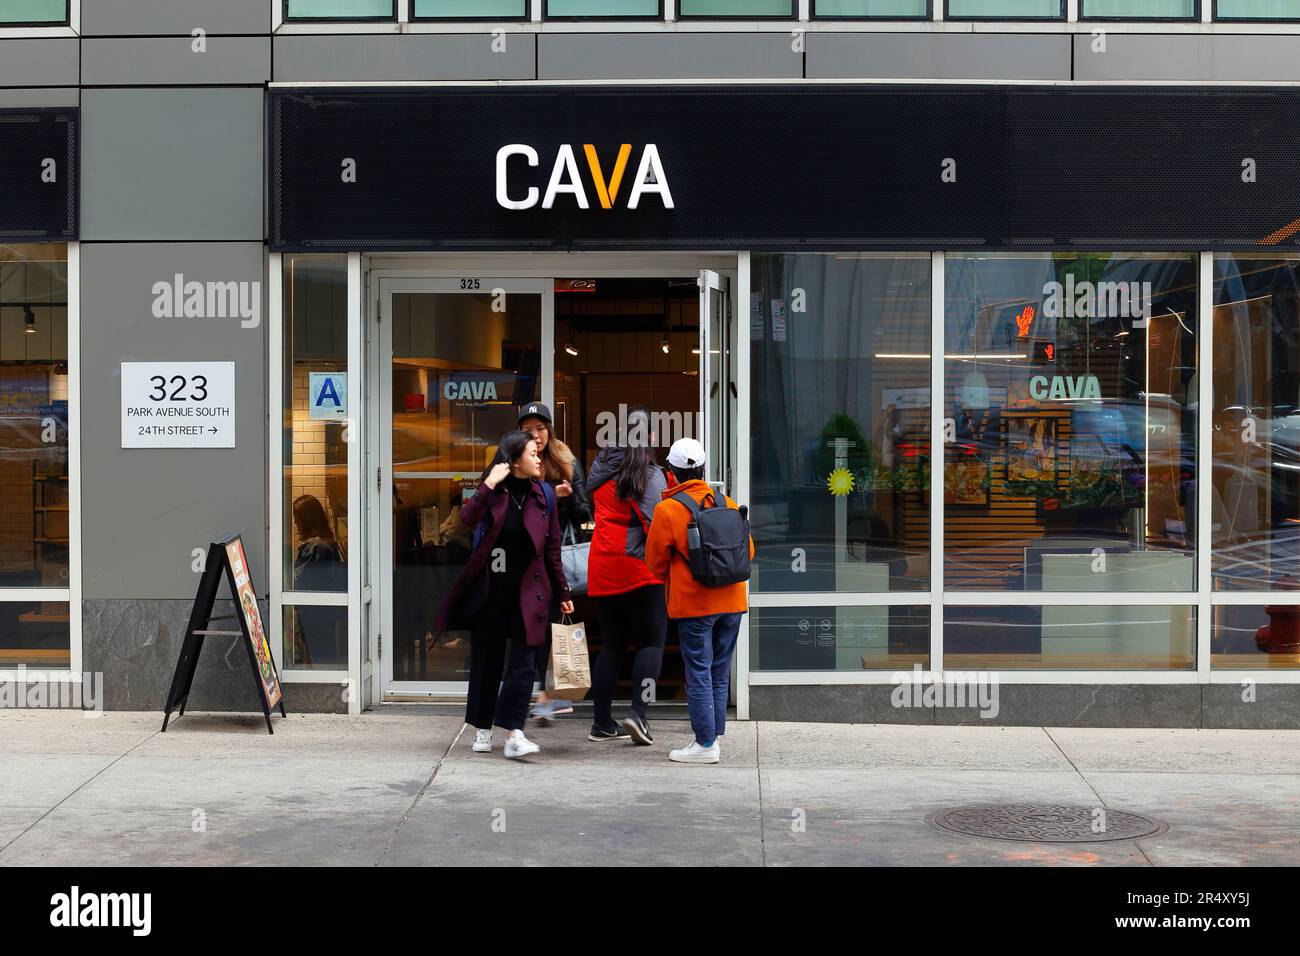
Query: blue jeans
[[707, 645]]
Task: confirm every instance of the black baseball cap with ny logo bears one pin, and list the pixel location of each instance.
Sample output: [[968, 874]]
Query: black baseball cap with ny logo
[[534, 410]]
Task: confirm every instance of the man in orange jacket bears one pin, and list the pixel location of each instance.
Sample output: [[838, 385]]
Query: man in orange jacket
[[708, 619]]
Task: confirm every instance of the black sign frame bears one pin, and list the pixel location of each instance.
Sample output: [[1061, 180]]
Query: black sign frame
[[793, 167], [33, 209], [217, 565]]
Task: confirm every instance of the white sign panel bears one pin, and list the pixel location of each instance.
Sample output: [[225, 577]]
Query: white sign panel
[[178, 404], [327, 395]]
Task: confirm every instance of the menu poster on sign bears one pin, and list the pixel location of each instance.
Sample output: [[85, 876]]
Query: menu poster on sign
[[251, 618]]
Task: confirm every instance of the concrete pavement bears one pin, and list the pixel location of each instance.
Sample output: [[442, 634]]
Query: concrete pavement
[[400, 786]]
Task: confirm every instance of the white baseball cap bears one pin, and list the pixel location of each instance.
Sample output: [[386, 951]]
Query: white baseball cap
[[686, 453]]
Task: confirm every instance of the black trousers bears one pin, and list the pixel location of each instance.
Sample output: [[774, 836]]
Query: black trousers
[[493, 700], [640, 618]]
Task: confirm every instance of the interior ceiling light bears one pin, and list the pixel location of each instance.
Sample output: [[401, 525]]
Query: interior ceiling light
[[29, 320], [663, 344]]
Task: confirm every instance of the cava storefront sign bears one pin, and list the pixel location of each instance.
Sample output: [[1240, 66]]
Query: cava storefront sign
[[841, 167], [1060, 388]]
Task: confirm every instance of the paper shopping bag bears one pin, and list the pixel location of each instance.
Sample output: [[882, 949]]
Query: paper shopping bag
[[569, 676]]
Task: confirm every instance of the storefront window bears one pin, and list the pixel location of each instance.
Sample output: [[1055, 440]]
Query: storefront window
[[1006, 10], [1257, 10], [315, 452], [603, 8], [1255, 503], [1255, 638], [316, 638], [34, 11], [34, 479], [872, 9], [470, 9], [840, 422], [340, 10], [1070, 397], [735, 8], [839, 638], [1069, 637], [1140, 9], [34, 634]]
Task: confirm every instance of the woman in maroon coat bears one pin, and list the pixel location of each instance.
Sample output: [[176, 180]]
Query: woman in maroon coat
[[504, 593]]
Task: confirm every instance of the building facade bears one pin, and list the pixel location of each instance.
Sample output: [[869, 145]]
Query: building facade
[[988, 309]]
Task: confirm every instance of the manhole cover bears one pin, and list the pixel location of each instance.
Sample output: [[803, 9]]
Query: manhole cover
[[1047, 823]]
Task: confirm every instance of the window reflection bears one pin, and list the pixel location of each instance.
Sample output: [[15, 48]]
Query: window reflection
[[1070, 637], [841, 409], [316, 638], [1255, 508], [1070, 384], [839, 638], [1249, 638], [315, 454]]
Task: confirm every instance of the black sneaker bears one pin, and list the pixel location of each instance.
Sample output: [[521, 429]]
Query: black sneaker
[[638, 730], [612, 732]]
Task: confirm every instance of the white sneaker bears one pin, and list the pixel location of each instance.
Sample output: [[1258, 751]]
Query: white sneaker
[[697, 754], [517, 745], [482, 742]]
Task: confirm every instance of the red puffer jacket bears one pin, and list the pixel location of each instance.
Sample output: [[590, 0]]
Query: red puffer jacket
[[616, 562]]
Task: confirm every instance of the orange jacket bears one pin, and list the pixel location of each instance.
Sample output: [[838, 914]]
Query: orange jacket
[[665, 555]]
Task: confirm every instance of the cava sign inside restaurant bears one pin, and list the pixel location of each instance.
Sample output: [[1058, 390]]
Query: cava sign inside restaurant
[[1064, 387]]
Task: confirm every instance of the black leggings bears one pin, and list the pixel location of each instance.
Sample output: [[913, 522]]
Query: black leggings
[[491, 699], [638, 617]]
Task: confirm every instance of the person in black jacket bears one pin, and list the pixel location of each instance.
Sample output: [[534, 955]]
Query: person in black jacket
[[560, 468], [504, 593]]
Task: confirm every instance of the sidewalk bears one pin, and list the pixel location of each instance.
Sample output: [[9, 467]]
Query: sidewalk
[[400, 786]]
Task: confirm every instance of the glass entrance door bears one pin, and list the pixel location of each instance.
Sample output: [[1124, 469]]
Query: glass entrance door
[[457, 359], [717, 380]]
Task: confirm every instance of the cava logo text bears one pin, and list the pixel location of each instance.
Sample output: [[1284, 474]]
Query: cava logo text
[[75, 908], [1098, 300], [567, 180], [1061, 387], [470, 391]]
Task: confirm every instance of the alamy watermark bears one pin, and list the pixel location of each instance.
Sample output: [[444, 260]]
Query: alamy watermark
[[51, 690], [964, 689], [179, 299], [646, 429]]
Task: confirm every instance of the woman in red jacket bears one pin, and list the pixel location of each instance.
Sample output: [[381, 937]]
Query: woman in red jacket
[[625, 485]]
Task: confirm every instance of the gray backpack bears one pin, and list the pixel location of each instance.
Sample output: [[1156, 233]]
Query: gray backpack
[[717, 540]]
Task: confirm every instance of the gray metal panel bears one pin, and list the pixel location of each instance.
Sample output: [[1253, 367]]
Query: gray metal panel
[[142, 18], [45, 61], [360, 59], [19, 99], [171, 164], [598, 56], [938, 56], [1222, 57], [158, 61], [146, 510]]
